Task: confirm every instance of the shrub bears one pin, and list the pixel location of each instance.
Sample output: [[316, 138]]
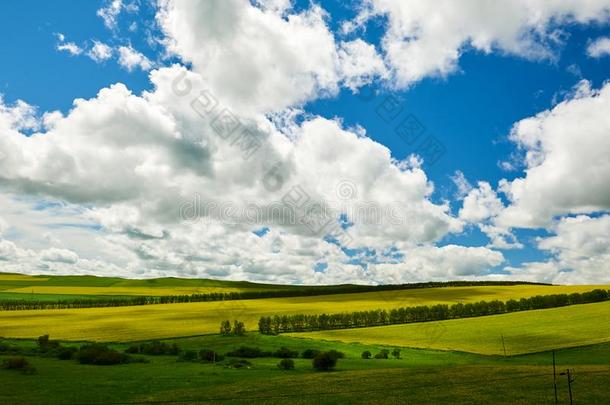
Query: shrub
[[99, 354], [396, 353], [285, 353], [309, 353], [46, 345], [383, 354], [286, 364], [188, 355], [18, 363], [336, 354], [324, 361], [366, 354], [234, 363], [210, 356], [66, 353], [154, 348], [249, 352]]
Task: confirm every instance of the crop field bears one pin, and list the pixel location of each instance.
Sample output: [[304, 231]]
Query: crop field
[[522, 332], [189, 319]]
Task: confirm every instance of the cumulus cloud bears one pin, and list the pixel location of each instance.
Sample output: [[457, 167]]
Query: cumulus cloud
[[439, 263], [598, 48], [580, 252], [131, 59], [99, 52], [426, 38], [59, 256], [136, 160], [69, 47], [566, 154], [287, 59]]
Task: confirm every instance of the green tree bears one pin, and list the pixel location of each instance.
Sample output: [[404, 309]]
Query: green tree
[[225, 328]]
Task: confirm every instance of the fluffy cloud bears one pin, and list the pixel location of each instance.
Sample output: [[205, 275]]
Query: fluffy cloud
[[100, 52], [567, 151], [439, 263], [59, 256], [131, 59], [135, 161], [287, 59], [426, 38], [580, 252], [600, 47]]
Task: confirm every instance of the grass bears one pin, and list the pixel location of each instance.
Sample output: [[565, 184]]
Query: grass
[[91, 285], [420, 376], [189, 319], [523, 332]]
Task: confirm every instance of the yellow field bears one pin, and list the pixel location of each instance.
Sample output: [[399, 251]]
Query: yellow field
[[173, 320], [111, 290], [523, 332], [20, 277]]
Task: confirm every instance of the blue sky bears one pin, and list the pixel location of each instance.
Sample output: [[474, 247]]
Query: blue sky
[[470, 110]]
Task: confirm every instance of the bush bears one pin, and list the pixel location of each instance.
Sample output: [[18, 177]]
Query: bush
[[18, 363], [286, 364], [155, 348], [336, 354], [234, 363], [188, 355], [366, 354], [66, 353], [309, 353], [46, 345], [285, 353], [225, 328], [324, 361], [99, 354], [383, 354], [396, 353], [249, 352], [210, 356]]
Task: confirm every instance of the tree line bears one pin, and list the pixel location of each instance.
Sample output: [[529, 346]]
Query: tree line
[[32, 304], [273, 325]]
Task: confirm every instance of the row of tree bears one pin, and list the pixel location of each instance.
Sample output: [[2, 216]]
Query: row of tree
[[300, 322], [32, 304]]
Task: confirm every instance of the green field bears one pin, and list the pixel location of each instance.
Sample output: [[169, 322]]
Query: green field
[[523, 332], [189, 319], [71, 286], [420, 376]]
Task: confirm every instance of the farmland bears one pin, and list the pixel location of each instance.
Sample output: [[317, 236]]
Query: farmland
[[188, 319], [523, 332], [443, 362]]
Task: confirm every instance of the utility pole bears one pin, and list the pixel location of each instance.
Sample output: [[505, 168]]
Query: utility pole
[[554, 378], [570, 381]]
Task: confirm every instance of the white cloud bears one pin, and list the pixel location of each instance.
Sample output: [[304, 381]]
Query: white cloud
[[426, 38], [359, 64], [110, 12], [567, 151], [70, 47], [600, 47], [580, 249], [259, 60], [99, 52], [59, 256], [131, 59], [439, 263], [480, 203], [135, 160]]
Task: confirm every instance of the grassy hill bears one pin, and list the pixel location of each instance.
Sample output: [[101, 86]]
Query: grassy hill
[[172, 320], [523, 332]]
